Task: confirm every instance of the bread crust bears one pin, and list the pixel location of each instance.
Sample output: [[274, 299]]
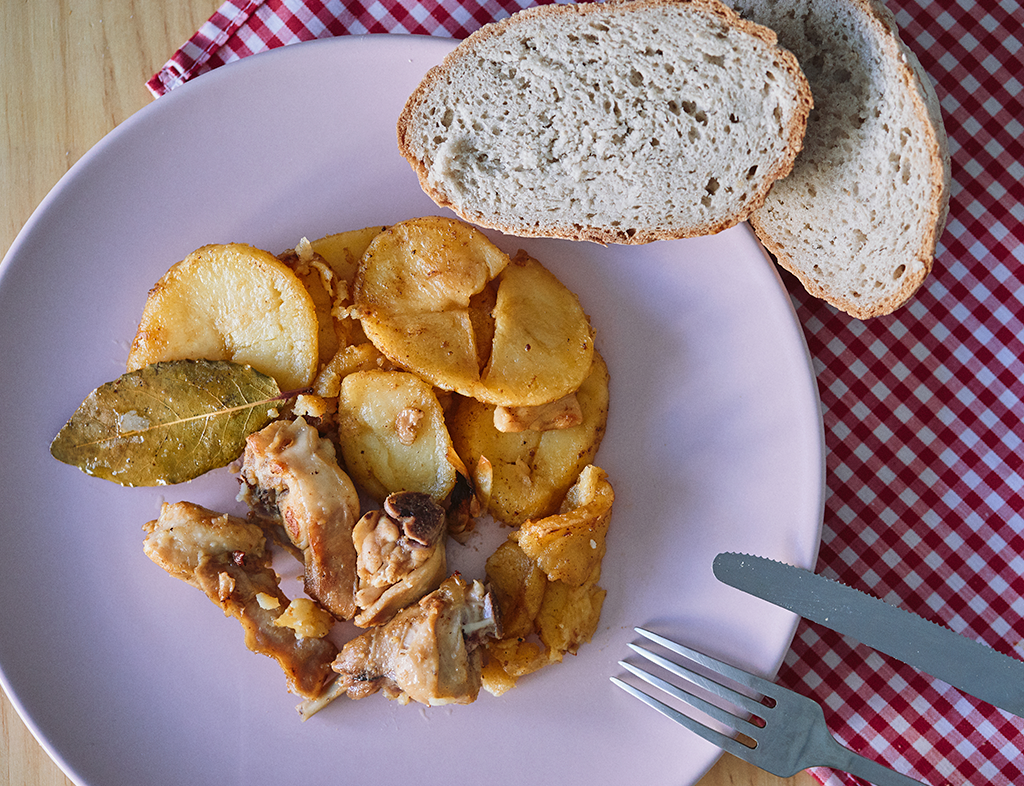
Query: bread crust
[[570, 14], [908, 77]]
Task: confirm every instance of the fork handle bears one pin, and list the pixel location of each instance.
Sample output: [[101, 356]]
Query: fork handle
[[844, 759]]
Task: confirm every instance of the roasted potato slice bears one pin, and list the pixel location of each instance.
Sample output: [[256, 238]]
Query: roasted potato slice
[[393, 435], [570, 545], [531, 471], [349, 359], [413, 293], [317, 278], [543, 345], [343, 250], [231, 302], [569, 615], [327, 266], [509, 659], [424, 292], [544, 579], [518, 584]]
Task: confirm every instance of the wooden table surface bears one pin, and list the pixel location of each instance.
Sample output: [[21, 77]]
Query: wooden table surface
[[69, 73]]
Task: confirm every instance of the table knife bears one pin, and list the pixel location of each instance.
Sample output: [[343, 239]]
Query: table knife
[[962, 662]]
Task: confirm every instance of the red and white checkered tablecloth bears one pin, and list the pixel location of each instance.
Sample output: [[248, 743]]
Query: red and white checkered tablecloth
[[923, 409]]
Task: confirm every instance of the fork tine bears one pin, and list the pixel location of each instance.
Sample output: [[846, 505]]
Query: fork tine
[[723, 741], [739, 699], [721, 715], [752, 681], [795, 735]]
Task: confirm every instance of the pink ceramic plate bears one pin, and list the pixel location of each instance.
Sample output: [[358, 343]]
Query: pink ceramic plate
[[128, 676]]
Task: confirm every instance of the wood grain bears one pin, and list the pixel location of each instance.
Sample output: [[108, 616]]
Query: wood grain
[[69, 73]]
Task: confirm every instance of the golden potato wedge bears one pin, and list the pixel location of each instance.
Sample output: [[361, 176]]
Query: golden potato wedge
[[509, 659], [349, 359], [317, 278], [518, 584], [343, 250], [424, 294], [327, 266], [544, 579], [543, 345], [570, 545], [413, 292], [393, 435], [531, 471], [231, 302], [568, 615]]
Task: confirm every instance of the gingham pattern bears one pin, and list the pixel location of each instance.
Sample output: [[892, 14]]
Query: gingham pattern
[[923, 409], [240, 28]]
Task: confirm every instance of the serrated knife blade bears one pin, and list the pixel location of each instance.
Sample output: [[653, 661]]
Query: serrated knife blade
[[962, 662]]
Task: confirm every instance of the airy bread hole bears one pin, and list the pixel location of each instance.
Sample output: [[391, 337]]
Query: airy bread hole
[[712, 186], [899, 272], [690, 107], [718, 60]]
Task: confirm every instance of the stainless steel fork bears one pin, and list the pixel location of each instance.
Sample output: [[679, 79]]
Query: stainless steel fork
[[786, 734]]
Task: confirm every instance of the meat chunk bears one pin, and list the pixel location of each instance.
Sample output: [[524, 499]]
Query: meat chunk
[[565, 412], [430, 653], [227, 559], [292, 481], [400, 555]]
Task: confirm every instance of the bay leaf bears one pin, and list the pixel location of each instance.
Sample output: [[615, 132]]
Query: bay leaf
[[168, 422]]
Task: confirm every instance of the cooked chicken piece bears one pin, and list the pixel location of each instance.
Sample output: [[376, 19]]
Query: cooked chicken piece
[[401, 555], [292, 481], [227, 559], [464, 505], [565, 412], [430, 652]]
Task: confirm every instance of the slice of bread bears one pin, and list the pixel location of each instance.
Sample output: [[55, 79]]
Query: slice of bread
[[858, 219], [618, 122]]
